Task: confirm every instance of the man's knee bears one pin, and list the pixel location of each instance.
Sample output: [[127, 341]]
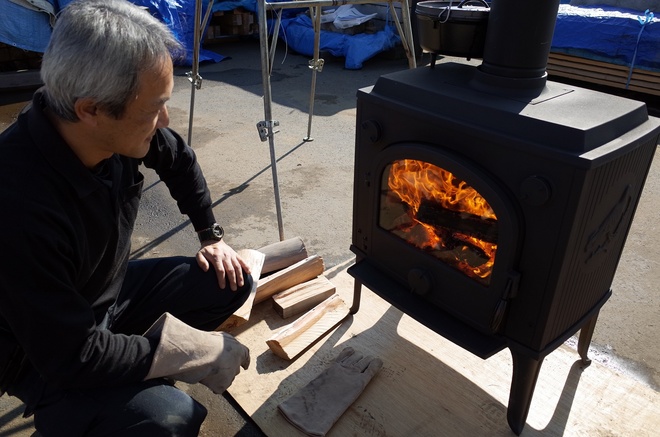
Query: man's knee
[[166, 410], [244, 291], [153, 408]]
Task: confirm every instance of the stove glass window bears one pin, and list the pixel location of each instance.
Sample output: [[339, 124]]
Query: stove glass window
[[440, 214]]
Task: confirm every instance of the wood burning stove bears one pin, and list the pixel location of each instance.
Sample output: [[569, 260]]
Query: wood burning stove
[[493, 205]]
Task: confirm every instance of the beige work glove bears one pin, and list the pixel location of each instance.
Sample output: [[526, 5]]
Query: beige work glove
[[190, 355], [318, 405]]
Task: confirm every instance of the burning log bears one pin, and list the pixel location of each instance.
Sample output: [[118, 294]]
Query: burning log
[[433, 214]]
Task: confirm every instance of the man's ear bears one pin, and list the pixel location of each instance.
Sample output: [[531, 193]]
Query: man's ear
[[86, 110]]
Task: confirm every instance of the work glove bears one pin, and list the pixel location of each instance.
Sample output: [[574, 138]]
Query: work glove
[[318, 405], [190, 355]]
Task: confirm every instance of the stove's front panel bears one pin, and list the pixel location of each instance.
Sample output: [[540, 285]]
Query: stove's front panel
[[438, 226]]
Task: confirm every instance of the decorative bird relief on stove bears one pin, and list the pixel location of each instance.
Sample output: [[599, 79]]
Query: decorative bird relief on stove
[[440, 214], [600, 239]]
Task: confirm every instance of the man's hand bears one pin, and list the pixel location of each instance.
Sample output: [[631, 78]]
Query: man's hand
[[226, 262]]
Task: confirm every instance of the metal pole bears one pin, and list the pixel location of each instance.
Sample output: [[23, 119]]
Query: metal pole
[[193, 76], [273, 47], [406, 33], [315, 64], [268, 124]]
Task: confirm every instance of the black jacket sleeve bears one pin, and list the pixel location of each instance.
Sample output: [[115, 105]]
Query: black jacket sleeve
[[176, 164]]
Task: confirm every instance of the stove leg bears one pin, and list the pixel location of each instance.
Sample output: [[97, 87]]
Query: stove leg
[[357, 293], [586, 332], [525, 373]]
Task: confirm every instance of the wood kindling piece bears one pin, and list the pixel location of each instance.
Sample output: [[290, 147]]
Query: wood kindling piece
[[302, 271], [282, 254], [296, 337], [302, 297], [255, 260]]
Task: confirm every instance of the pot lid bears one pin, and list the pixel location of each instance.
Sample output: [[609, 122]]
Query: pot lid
[[447, 10]]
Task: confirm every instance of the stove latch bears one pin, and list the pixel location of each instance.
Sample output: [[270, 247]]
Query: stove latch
[[510, 292]]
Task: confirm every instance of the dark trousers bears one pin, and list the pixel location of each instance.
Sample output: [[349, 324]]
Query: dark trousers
[[150, 408]]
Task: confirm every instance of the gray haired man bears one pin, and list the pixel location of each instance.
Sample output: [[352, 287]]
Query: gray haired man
[[90, 341]]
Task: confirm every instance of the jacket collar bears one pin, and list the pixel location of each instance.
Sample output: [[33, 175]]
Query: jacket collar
[[56, 151]]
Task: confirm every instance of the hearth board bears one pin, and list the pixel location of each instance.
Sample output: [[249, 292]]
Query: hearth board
[[429, 386]]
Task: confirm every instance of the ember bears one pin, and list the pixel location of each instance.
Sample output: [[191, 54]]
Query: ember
[[432, 209]]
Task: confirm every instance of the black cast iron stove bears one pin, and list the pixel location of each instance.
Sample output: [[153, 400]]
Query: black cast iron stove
[[491, 204]]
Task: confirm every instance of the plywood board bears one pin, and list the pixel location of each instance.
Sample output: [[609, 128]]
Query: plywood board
[[430, 387]]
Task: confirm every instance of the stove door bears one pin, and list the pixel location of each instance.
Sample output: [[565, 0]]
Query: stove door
[[444, 229]]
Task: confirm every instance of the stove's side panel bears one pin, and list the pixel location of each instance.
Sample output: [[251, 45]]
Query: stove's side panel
[[610, 196]]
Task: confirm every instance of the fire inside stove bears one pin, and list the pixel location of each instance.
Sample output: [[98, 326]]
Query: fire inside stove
[[440, 214]]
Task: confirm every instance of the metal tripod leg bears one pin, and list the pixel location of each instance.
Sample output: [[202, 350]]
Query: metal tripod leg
[[193, 76], [315, 64], [405, 33], [265, 127]]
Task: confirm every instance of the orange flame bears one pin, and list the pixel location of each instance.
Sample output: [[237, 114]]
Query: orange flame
[[415, 181]]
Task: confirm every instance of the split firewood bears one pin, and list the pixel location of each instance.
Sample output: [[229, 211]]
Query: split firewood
[[255, 260], [296, 337], [302, 271], [302, 297], [282, 254]]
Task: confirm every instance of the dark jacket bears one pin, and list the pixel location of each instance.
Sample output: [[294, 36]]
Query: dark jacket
[[65, 234]]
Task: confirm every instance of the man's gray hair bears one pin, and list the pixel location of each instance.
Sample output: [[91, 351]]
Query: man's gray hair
[[97, 50]]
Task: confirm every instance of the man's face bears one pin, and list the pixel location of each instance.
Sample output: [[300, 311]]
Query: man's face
[[131, 134]]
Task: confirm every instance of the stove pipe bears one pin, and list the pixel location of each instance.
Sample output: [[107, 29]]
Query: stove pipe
[[517, 45]]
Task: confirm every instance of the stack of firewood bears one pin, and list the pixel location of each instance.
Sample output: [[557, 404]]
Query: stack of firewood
[[285, 272]]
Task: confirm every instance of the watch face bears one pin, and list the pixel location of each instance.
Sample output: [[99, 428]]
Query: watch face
[[218, 232], [215, 232]]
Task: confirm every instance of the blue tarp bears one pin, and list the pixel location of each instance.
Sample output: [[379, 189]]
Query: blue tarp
[[30, 30], [601, 33], [608, 34], [230, 5], [299, 35]]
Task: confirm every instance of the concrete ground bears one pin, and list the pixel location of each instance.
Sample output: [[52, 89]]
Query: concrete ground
[[315, 182]]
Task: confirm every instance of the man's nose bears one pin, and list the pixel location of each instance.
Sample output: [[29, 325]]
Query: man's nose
[[163, 118]]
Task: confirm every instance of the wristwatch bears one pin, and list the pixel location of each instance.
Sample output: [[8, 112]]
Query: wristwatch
[[215, 232]]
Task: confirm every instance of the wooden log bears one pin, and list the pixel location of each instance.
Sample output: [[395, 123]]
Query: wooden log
[[282, 254], [296, 337], [302, 271], [255, 260], [303, 297], [472, 225]]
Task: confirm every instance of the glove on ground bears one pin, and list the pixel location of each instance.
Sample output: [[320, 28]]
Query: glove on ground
[[318, 405]]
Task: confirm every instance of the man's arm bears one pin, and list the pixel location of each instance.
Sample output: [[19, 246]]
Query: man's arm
[[176, 164]]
